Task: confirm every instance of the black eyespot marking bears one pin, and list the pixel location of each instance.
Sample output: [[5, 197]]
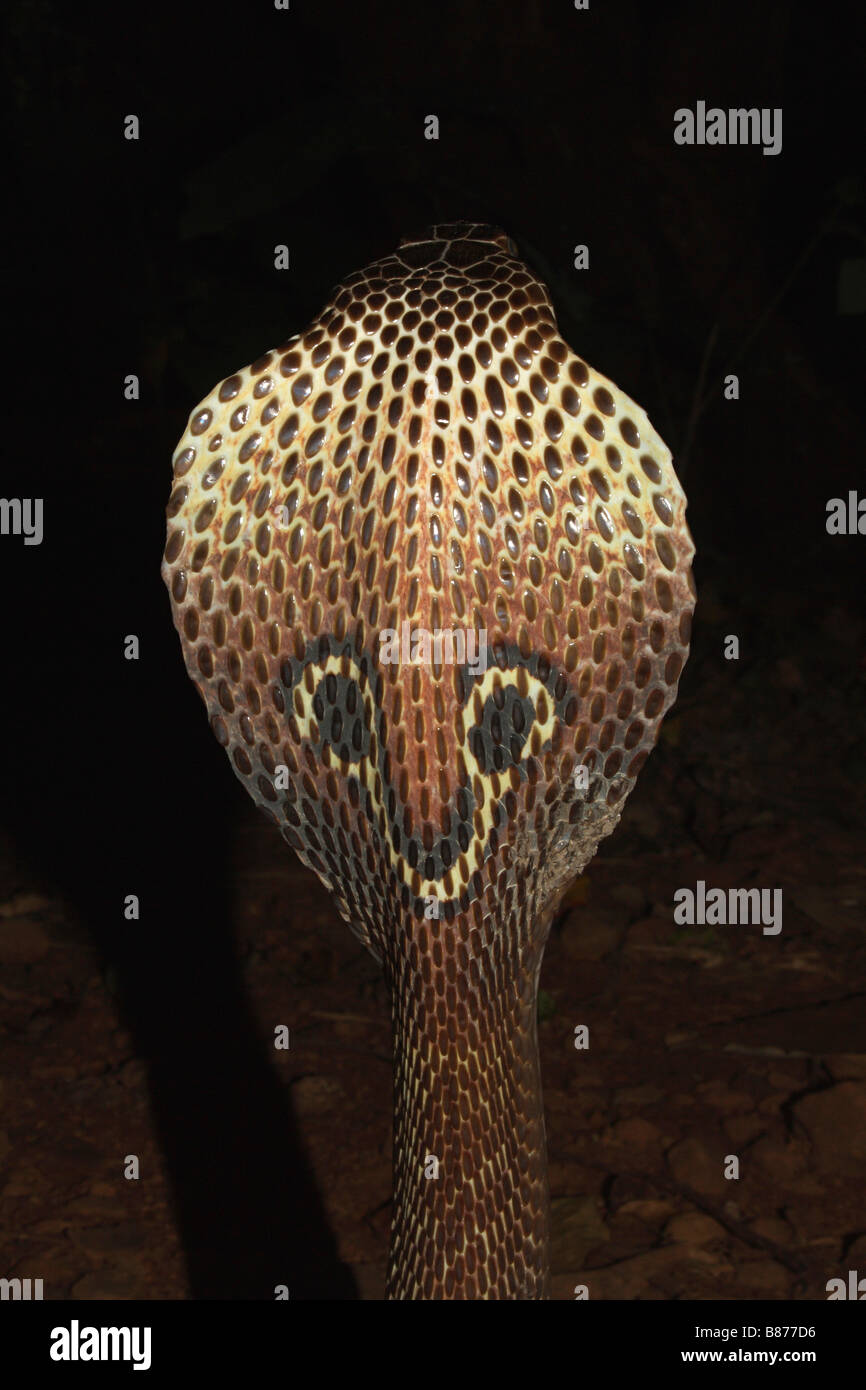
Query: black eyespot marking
[[341, 707]]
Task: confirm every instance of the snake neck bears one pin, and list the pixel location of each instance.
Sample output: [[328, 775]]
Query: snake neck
[[470, 1189]]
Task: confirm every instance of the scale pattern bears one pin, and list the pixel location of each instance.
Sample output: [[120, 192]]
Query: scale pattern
[[432, 578]]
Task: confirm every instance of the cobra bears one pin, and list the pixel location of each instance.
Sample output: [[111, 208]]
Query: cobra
[[430, 457]]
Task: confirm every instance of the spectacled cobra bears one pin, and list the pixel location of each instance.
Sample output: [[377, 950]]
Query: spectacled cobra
[[432, 578]]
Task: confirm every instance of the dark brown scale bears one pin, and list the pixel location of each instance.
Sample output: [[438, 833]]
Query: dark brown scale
[[351, 491], [603, 401]]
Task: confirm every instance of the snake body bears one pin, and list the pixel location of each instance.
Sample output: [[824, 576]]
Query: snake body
[[431, 576]]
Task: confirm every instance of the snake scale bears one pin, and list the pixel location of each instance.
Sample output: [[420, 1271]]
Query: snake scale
[[432, 578]]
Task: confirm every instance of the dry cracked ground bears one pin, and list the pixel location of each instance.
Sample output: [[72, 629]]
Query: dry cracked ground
[[704, 1041]]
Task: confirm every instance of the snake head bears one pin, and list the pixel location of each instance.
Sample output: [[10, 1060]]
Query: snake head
[[458, 244]]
